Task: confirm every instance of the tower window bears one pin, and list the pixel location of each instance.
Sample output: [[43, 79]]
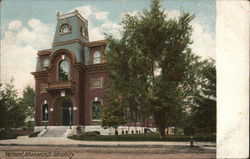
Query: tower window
[[84, 31], [64, 70], [97, 57], [65, 28]]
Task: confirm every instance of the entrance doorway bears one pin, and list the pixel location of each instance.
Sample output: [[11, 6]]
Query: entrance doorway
[[66, 112]]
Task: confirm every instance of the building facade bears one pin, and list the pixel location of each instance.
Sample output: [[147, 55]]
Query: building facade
[[70, 77]]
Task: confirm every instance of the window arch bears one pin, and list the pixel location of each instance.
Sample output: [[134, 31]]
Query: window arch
[[97, 57], [45, 111], [96, 109], [64, 68]]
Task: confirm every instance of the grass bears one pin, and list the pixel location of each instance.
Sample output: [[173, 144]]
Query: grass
[[143, 137]]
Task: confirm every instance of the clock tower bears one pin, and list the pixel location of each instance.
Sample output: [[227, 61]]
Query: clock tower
[[71, 34]]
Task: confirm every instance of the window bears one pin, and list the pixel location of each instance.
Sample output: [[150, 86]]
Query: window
[[65, 28], [45, 112], [84, 31], [45, 63], [97, 57], [64, 70], [96, 110]]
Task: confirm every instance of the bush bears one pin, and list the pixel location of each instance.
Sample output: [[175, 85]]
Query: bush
[[34, 134], [30, 125], [189, 130], [5, 135], [91, 133], [78, 128]]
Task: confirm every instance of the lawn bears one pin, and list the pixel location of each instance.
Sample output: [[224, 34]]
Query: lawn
[[143, 137]]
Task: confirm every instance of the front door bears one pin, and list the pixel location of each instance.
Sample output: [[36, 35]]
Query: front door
[[66, 112]]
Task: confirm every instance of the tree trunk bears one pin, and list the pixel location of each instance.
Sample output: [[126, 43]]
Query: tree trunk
[[162, 130]]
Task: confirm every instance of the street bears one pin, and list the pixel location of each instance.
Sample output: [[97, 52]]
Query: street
[[55, 152]]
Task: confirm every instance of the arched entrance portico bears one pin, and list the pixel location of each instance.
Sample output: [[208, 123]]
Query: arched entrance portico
[[63, 114]]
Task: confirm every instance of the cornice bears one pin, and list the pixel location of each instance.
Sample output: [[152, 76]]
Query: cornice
[[96, 67], [40, 74], [97, 43], [68, 42], [44, 52]]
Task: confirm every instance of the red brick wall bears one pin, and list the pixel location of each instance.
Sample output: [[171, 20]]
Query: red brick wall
[[39, 99], [91, 93]]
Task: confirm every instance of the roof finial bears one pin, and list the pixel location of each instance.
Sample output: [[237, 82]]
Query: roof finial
[[76, 12], [58, 14]]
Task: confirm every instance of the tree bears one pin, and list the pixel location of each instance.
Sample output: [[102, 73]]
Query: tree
[[28, 100], [204, 110], [14, 113], [3, 109], [112, 114], [152, 41]]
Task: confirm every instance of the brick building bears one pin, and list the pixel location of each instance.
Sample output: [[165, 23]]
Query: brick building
[[70, 78]]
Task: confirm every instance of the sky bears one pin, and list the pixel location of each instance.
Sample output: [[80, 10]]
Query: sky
[[29, 25]]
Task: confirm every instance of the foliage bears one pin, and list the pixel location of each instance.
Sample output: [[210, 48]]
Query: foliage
[[189, 130], [12, 113], [204, 110], [34, 134], [28, 100], [88, 134], [5, 135], [30, 125], [151, 41], [112, 114]]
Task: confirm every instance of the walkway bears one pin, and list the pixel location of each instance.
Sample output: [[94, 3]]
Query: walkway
[[65, 142]]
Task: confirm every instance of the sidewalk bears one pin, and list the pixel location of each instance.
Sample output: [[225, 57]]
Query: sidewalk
[[65, 142]]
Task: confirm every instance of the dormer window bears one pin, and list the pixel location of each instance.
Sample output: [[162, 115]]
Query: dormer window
[[97, 57], [65, 29]]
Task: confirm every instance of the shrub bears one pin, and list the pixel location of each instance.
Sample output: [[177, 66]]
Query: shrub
[[78, 128], [30, 125], [91, 133], [5, 135], [34, 134], [189, 130]]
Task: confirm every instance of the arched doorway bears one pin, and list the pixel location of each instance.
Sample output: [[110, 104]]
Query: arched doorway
[[66, 109]]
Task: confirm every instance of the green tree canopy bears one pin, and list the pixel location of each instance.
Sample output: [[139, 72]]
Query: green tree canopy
[[152, 41], [13, 114], [28, 100]]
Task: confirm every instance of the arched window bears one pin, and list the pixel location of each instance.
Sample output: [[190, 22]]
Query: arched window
[[96, 109], [65, 28], [97, 57], [64, 70], [45, 63], [45, 111]]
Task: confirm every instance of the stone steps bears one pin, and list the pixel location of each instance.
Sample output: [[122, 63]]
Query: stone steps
[[55, 132]]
